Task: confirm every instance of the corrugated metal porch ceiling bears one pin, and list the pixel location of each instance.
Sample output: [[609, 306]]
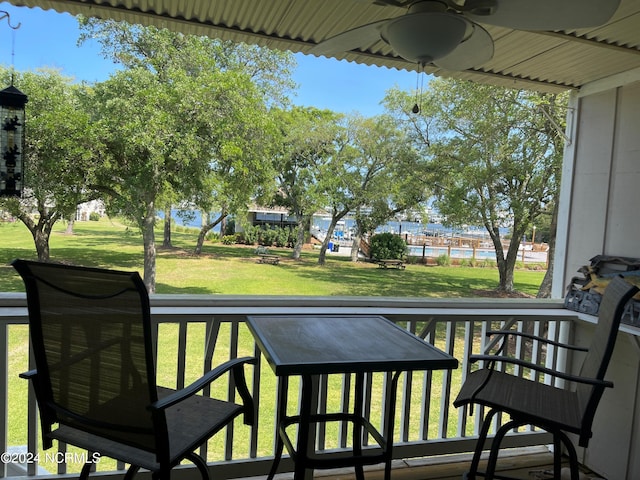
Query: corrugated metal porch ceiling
[[546, 61]]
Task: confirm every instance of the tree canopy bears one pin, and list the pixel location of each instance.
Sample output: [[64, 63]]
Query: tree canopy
[[61, 146], [185, 120], [494, 159]]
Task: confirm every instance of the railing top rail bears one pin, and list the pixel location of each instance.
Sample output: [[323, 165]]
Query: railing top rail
[[168, 308], [18, 299]]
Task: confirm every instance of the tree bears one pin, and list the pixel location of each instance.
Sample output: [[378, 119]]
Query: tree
[[494, 160], [374, 171], [243, 81], [242, 140], [61, 150], [307, 137], [392, 174], [171, 117]]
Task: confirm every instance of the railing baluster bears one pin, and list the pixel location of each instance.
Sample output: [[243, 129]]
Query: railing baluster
[[368, 400], [321, 434], [182, 354], [4, 387], [407, 388], [255, 387], [212, 330], [344, 407], [465, 367], [231, 389], [445, 394]]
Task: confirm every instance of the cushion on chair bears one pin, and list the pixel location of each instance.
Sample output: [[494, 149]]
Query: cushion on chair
[[188, 423], [517, 395]]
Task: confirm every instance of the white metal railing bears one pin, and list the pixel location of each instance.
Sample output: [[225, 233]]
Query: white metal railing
[[195, 332]]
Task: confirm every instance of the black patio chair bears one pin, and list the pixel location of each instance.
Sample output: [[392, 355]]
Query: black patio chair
[[558, 411], [95, 374]]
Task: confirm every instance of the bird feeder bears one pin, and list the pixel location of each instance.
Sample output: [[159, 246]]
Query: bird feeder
[[12, 103]]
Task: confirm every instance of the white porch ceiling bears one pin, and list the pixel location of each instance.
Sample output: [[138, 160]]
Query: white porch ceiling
[[545, 61]]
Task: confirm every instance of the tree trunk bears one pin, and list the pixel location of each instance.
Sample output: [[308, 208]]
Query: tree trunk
[[355, 247], [300, 231], [327, 239], [40, 231], [69, 230], [206, 229], [166, 240], [148, 236], [545, 286], [41, 240], [506, 265]]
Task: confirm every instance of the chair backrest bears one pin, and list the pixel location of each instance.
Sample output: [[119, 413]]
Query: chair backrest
[[596, 362], [91, 336]]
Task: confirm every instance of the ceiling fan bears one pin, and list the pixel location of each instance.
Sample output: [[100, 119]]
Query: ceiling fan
[[448, 34]]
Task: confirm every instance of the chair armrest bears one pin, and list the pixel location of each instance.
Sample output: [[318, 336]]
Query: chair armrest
[[537, 338], [548, 371], [29, 375], [47, 414], [206, 379]]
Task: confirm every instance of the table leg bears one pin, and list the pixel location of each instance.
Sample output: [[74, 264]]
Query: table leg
[[358, 431], [281, 405], [306, 434], [276, 458], [390, 412]]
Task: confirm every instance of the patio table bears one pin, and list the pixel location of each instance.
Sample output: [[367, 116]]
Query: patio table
[[311, 345]]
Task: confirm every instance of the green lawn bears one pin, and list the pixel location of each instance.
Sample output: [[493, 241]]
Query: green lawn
[[226, 269]]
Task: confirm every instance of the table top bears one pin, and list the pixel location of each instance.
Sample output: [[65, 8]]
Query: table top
[[316, 344]]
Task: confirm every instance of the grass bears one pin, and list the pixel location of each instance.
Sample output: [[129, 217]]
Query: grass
[[227, 269], [232, 269]]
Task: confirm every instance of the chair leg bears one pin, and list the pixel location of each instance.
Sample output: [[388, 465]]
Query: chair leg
[[557, 455], [484, 431], [86, 469], [131, 472], [573, 456], [199, 462], [495, 448], [276, 458]]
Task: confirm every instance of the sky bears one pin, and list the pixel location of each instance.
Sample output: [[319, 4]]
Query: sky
[[49, 39]]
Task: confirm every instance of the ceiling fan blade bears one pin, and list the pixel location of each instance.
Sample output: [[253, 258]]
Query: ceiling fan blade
[[474, 51], [547, 14], [359, 37]]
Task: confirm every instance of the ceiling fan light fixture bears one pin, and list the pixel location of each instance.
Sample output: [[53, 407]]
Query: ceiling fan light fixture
[[426, 36]]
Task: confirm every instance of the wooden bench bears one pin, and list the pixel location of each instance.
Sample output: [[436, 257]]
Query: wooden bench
[[395, 263], [268, 258]]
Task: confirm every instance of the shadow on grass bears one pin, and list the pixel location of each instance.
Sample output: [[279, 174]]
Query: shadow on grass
[[98, 258], [415, 281], [192, 290]]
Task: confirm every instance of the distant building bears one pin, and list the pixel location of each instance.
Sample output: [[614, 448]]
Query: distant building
[[273, 216], [84, 210]]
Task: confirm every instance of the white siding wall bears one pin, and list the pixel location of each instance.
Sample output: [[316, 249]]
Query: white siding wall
[[601, 215]]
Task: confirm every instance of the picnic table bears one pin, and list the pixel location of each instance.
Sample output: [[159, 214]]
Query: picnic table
[[391, 262], [268, 258], [265, 257]]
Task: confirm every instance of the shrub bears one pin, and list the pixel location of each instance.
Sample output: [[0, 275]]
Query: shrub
[[443, 260], [228, 239], [212, 236], [487, 263], [387, 245], [268, 236], [230, 226], [250, 235], [94, 217]]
